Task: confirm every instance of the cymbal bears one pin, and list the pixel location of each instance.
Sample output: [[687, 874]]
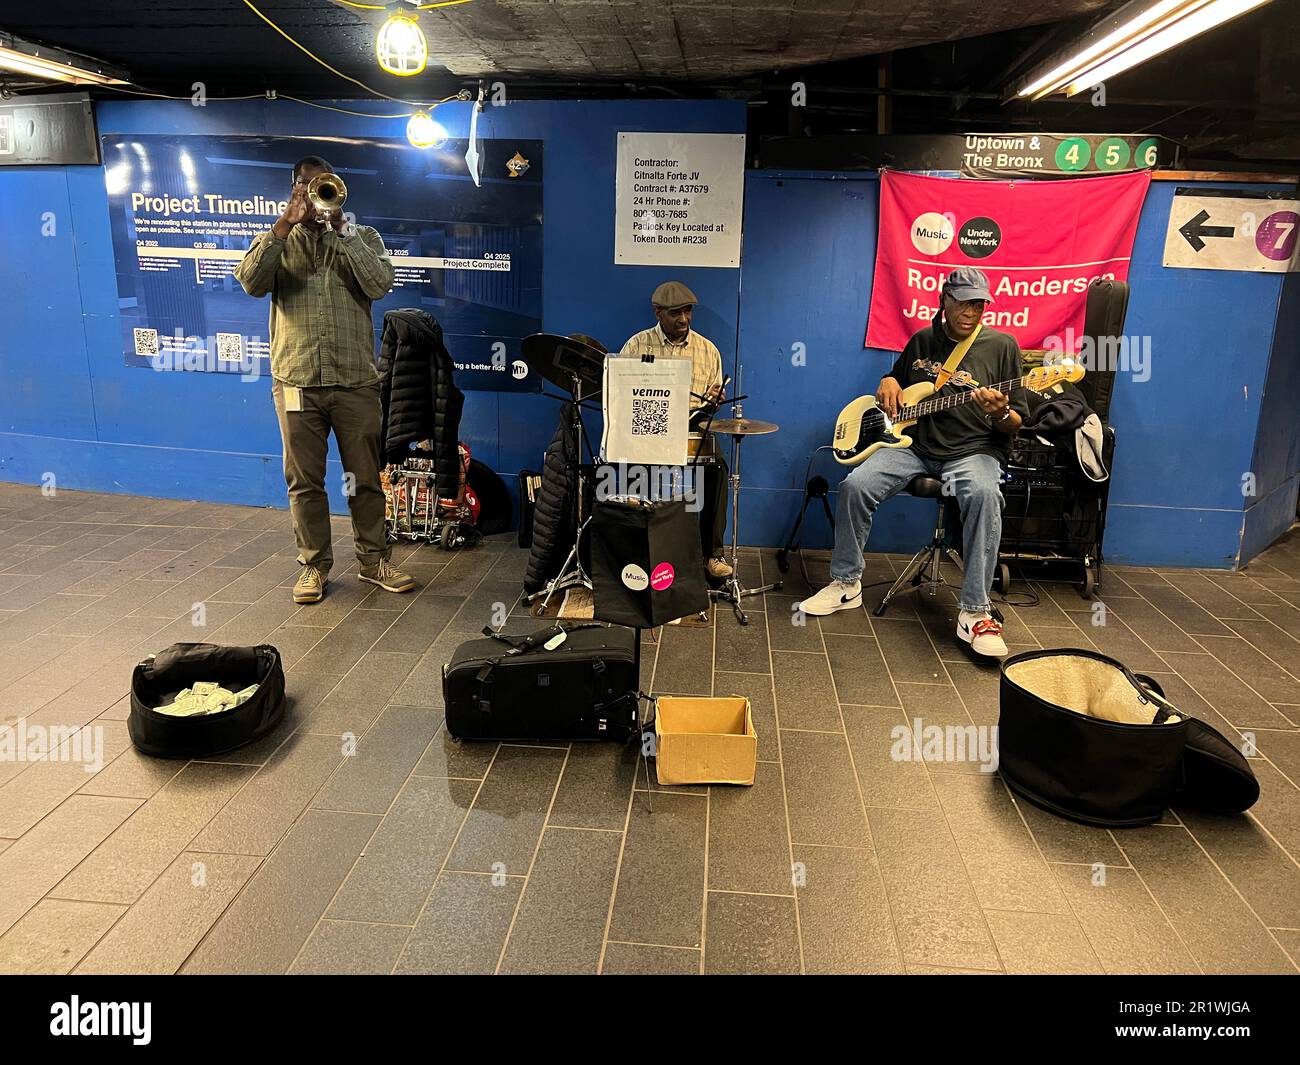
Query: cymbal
[[743, 426], [559, 359]]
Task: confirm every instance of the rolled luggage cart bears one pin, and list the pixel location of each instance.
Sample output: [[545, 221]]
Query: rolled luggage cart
[[413, 510], [1054, 516]]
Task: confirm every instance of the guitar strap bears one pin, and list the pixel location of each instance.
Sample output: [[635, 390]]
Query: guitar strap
[[954, 360]]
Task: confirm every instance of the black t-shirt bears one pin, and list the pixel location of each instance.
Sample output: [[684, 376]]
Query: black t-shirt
[[963, 430]]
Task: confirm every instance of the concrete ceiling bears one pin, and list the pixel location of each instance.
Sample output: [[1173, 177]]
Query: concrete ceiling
[[708, 39], [171, 42]]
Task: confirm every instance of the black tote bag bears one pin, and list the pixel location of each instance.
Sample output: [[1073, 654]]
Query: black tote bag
[[646, 565]]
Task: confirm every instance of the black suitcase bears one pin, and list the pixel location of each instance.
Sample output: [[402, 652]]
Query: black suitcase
[[512, 688]]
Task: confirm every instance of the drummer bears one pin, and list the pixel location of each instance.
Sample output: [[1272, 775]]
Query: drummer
[[673, 338]]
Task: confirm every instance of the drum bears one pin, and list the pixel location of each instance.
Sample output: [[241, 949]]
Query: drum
[[701, 451]]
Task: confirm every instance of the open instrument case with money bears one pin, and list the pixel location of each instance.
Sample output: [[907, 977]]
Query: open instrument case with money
[[1082, 735], [158, 680]]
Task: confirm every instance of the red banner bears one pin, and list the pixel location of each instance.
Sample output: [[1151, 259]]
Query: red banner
[[1040, 243]]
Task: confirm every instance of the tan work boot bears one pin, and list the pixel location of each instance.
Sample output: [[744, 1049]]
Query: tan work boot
[[718, 568], [310, 585], [388, 577]]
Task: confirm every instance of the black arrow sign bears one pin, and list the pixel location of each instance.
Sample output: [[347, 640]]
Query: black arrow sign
[[1195, 228]]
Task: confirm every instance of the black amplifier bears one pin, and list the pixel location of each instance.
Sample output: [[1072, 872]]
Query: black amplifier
[[1021, 477], [1034, 464]]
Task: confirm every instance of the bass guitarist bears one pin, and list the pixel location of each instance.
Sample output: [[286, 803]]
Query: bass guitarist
[[966, 447]]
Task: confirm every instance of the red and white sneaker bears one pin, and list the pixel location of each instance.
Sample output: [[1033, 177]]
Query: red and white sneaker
[[982, 632]]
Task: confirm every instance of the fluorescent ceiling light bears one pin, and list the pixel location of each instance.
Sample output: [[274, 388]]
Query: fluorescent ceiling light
[[1185, 28], [1130, 36], [53, 64], [1075, 62]]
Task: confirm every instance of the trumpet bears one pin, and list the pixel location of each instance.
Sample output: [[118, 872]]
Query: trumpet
[[327, 193]]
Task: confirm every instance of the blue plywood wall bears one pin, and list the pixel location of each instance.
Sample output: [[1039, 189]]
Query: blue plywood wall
[[1271, 506], [1217, 405]]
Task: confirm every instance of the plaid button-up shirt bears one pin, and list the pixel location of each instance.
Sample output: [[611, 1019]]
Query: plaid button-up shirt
[[321, 287], [706, 360]]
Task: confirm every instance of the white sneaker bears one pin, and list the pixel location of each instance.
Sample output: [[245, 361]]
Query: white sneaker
[[838, 595], [982, 632]]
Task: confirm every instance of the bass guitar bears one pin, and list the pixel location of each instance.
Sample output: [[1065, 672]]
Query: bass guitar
[[863, 428]]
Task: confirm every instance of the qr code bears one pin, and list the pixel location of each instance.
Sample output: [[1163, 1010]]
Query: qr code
[[649, 417], [230, 347], [146, 342]]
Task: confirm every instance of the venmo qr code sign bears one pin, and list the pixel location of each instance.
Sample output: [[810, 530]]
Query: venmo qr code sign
[[649, 417], [647, 405]]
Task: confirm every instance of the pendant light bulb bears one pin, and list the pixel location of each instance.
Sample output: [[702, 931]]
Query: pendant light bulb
[[423, 132], [400, 46]]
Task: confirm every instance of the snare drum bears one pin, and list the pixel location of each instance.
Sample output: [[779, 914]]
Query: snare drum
[[698, 450]]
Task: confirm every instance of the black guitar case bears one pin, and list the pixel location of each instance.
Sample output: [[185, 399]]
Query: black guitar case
[[1104, 318], [1082, 735], [493, 496]]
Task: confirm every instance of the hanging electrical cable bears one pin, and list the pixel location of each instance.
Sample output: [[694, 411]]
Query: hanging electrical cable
[[307, 51], [422, 130]]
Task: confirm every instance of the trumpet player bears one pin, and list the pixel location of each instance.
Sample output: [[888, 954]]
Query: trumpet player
[[322, 273]]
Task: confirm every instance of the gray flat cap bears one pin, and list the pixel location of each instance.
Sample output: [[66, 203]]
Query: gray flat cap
[[673, 294]]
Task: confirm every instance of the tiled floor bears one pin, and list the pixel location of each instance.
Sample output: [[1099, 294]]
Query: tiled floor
[[416, 854]]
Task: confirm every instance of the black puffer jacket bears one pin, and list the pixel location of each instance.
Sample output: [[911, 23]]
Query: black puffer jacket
[[420, 398], [553, 516]]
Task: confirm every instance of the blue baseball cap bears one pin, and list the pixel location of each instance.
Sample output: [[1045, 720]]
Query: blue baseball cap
[[967, 283]]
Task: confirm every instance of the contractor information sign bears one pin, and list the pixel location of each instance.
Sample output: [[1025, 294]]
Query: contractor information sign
[[678, 199], [1232, 229]]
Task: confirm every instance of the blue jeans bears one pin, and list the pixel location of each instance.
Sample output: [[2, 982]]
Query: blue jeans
[[975, 485]]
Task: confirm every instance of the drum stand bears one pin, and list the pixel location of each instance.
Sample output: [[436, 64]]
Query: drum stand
[[731, 591]]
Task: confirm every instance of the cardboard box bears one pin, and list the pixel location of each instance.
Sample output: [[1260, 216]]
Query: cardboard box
[[704, 741]]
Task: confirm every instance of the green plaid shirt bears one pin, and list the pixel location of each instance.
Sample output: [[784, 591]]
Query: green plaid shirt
[[321, 287], [706, 360]]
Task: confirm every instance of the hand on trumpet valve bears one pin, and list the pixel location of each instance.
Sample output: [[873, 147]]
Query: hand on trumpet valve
[[295, 211]]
